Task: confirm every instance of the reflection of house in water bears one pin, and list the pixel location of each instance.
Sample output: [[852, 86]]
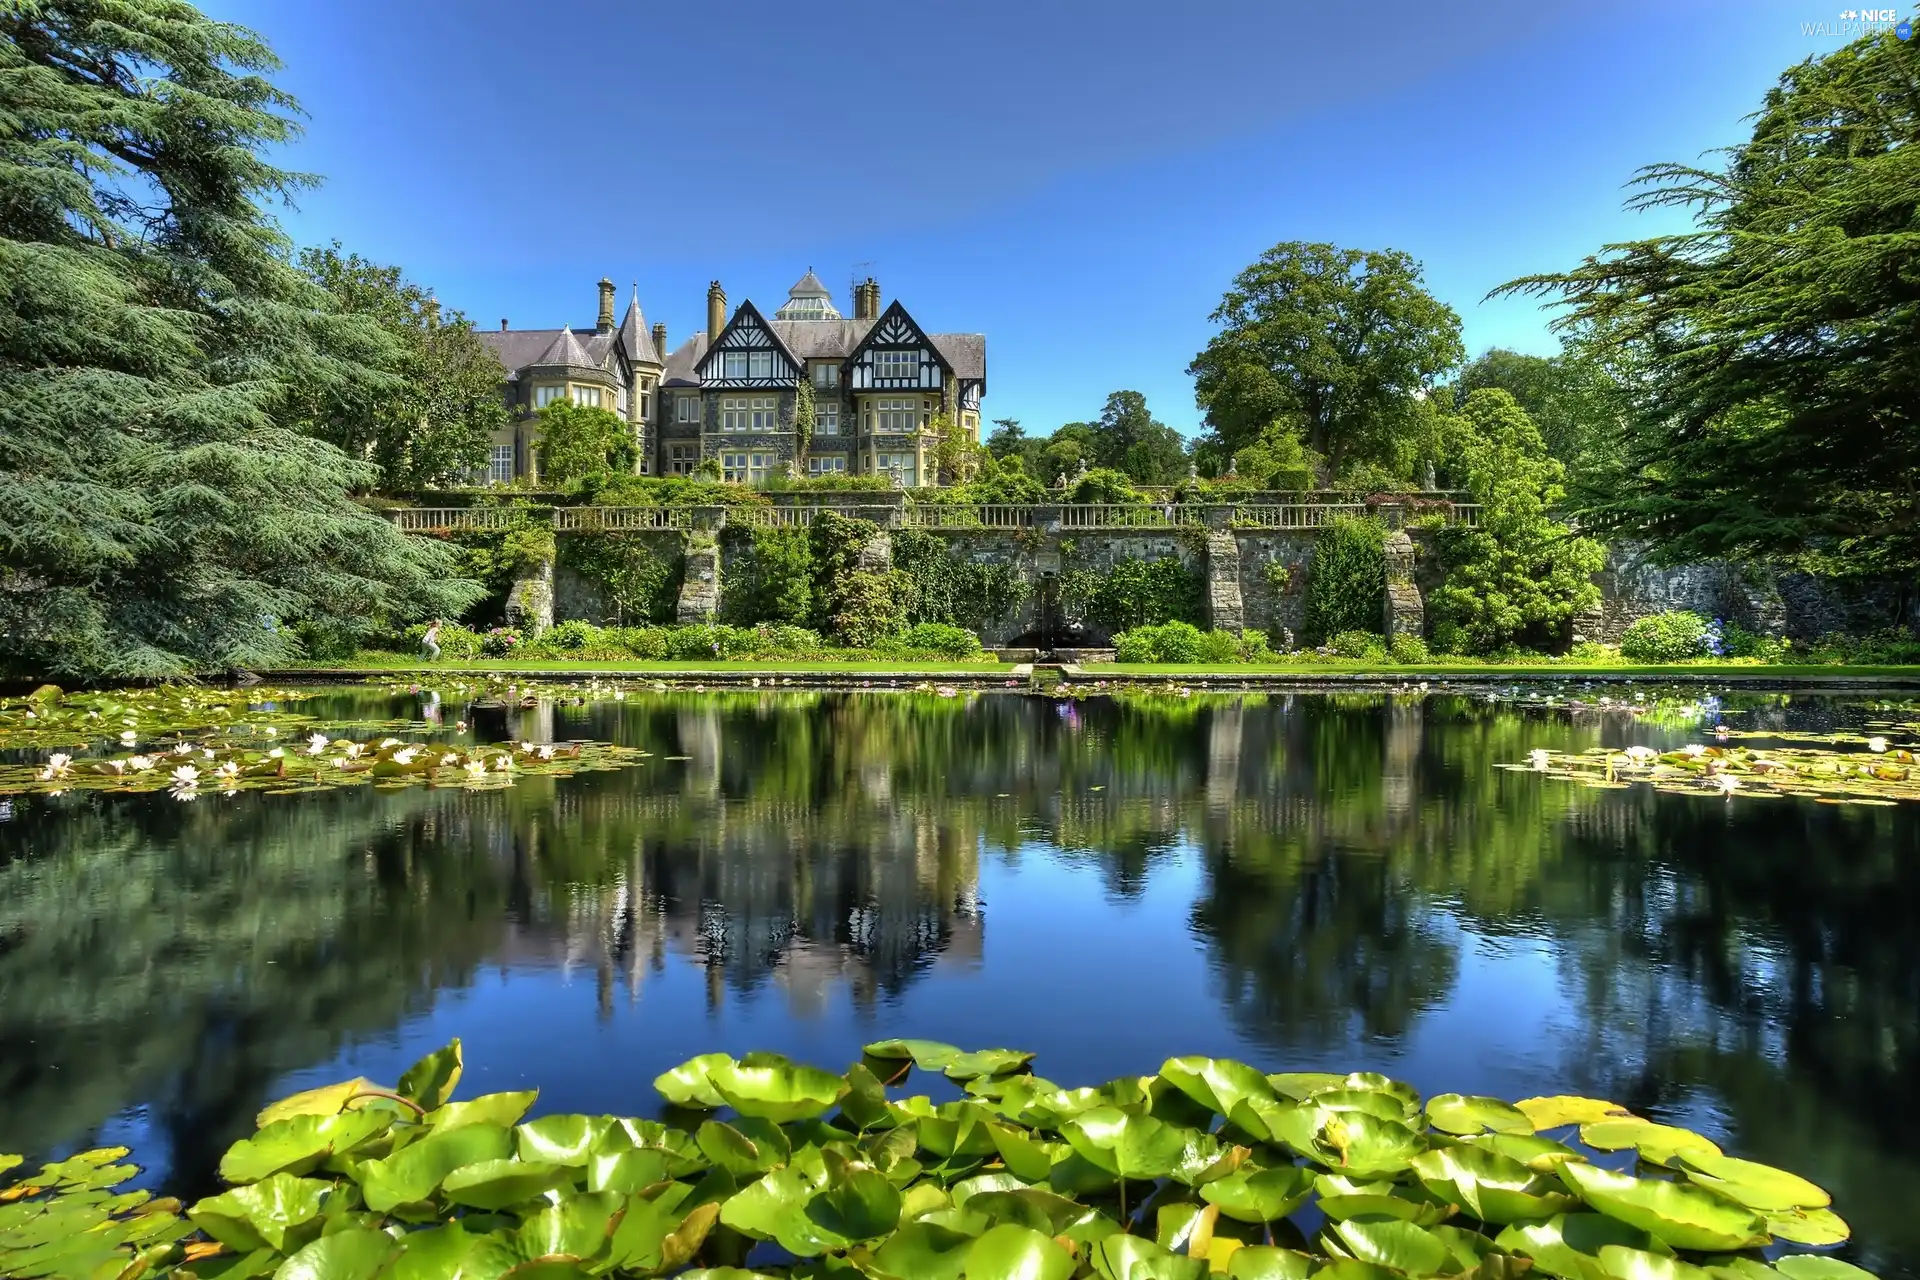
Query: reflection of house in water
[[760, 893]]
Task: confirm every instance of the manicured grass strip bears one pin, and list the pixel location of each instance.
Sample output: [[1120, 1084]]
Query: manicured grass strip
[[1701, 671], [634, 667]]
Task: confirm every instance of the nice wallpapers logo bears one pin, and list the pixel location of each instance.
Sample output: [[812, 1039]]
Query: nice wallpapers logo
[[1854, 23]]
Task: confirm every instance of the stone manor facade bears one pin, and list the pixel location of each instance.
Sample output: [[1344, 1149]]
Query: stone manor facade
[[882, 387]]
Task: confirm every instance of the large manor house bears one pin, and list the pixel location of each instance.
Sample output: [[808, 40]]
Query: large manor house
[[882, 386]]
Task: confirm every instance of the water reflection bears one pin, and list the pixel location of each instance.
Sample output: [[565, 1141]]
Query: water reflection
[[1314, 880]]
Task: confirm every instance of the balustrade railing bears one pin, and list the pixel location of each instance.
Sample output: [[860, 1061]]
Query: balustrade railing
[[1010, 516], [620, 519]]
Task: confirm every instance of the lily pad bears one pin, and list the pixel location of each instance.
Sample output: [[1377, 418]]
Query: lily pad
[[1456, 1113], [1684, 1216]]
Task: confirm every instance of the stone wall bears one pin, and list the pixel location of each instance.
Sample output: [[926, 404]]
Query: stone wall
[[1796, 605], [1243, 588], [578, 596]]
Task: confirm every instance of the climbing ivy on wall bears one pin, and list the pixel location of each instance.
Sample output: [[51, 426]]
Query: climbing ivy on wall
[[853, 605], [768, 576], [1131, 593], [1347, 578], [948, 587], [496, 557], [640, 582]]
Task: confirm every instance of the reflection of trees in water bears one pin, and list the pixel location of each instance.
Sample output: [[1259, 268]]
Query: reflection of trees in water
[[187, 955]]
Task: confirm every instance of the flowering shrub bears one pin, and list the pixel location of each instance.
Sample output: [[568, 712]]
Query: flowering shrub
[[1667, 637], [500, 642], [1408, 649]]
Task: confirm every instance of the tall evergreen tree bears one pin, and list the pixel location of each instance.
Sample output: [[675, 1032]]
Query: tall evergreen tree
[[157, 514], [1774, 347]]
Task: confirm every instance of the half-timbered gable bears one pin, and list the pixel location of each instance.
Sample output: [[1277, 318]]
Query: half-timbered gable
[[897, 355], [749, 355]]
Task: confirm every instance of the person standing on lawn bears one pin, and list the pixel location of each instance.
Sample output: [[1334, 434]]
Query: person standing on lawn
[[430, 642]]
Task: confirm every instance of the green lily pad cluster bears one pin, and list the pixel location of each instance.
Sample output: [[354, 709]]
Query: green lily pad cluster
[[775, 1168], [1875, 775], [317, 763], [48, 717]]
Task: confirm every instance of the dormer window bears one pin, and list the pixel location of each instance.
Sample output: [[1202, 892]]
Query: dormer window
[[896, 364]]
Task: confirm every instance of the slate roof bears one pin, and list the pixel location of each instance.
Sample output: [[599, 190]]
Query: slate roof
[[685, 359], [566, 350], [820, 339], [636, 335], [515, 349], [809, 286]]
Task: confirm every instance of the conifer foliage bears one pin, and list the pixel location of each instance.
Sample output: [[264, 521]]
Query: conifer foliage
[[158, 514]]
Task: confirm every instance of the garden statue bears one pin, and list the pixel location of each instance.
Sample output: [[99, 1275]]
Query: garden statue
[[1432, 482], [1193, 471], [1081, 472], [1233, 468], [1286, 639]]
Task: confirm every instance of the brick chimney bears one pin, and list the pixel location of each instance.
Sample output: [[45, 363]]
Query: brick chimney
[[660, 340], [716, 310], [866, 300], [605, 323]]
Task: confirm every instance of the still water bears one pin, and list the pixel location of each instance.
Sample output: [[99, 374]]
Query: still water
[[1340, 881]]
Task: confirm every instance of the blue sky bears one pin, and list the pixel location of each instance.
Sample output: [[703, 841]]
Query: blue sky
[[1077, 180]]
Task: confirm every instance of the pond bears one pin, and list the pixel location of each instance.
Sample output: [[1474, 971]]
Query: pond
[[1304, 881]]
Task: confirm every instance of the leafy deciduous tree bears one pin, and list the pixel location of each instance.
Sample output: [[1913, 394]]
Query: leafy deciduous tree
[[1520, 577], [430, 423], [1339, 343], [583, 443]]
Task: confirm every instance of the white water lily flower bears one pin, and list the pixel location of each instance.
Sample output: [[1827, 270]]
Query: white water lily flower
[[276, 753], [452, 757], [1726, 782], [57, 766], [316, 744], [546, 753], [184, 793], [503, 762], [353, 749], [1642, 755], [129, 736], [140, 763], [1693, 750], [272, 732], [339, 762], [228, 770], [461, 725], [1539, 757], [947, 691], [118, 766], [1876, 745], [405, 755], [207, 752], [476, 768], [184, 749], [186, 776]]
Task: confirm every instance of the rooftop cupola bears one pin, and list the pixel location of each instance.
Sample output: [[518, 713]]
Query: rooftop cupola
[[808, 300]]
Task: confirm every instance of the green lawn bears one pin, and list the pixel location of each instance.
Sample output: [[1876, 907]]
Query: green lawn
[[401, 665], [1414, 671]]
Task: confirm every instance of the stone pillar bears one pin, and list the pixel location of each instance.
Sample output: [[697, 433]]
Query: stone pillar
[[1226, 611], [700, 590], [530, 602], [1403, 612]]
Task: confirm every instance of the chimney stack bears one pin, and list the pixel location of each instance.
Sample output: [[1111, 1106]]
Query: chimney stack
[[716, 311], [503, 324], [660, 339], [605, 323], [866, 300]]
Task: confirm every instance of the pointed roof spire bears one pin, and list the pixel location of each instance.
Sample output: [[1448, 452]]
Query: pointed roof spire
[[635, 336]]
